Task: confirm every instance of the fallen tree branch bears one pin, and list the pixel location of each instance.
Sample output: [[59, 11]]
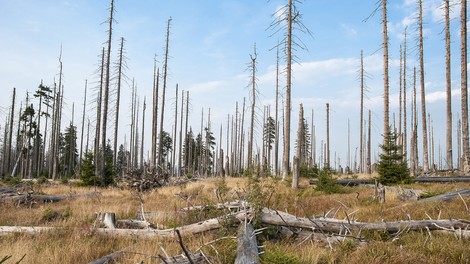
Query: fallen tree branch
[[46, 198], [105, 259]]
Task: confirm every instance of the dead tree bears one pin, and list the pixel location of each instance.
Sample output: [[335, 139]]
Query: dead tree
[[173, 159], [300, 144], [327, 153], [156, 78], [465, 163], [165, 70], [120, 76], [276, 140], [423, 92], [83, 127], [386, 77], [142, 137], [405, 124], [98, 117], [10, 130], [253, 105], [449, 162], [106, 89]]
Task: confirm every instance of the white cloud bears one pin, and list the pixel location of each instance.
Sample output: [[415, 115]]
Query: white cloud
[[206, 87]]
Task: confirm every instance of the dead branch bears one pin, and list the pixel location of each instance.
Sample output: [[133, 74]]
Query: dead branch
[[247, 247]]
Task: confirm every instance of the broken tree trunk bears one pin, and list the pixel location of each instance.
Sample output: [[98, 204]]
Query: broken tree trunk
[[107, 258], [107, 219], [447, 196], [247, 247]]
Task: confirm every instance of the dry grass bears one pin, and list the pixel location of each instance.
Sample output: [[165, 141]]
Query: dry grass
[[77, 244]]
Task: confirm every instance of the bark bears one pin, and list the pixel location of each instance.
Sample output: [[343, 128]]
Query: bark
[[10, 131], [361, 130], [464, 92], [108, 219], [286, 151], [118, 100], [446, 197], [142, 139], [180, 155], [368, 159], [46, 198], [385, 62], [106, 89], [162, 112], [98, 118], [405, 124], [423, 92], [247, 246], [449, 162], [276, 140], [83, 128], [300, 143], [253, 105], [327, 152], [108, 258], [173, 159], [154, 115]]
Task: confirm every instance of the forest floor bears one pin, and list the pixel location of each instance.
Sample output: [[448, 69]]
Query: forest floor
[[75, 241]]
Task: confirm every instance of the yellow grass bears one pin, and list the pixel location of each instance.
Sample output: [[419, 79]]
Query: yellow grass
[[77, 244]]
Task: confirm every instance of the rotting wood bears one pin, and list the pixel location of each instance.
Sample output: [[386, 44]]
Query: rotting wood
[[106, 219], [133, 224], [247, 247]]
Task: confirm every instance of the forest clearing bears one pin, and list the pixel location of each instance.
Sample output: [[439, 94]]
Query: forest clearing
[[178, 166], [74, 238]]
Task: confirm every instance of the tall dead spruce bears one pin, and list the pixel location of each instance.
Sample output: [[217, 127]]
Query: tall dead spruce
[[288, 19]]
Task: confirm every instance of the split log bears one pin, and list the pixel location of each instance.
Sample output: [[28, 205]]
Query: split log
[[247, 247]]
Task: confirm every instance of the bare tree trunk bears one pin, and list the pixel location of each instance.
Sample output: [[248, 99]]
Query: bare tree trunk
[[327, 152], [459, 143], [173, 159], [55, 153], [106, 89], [98, 119], [242, 132], [400, 103], [118, 101], [415, 123], [165, 69], [368, 160], [10, 131], [186, 158], [464, 92], [386, 82], [276, 140], [154, 114], [423, 92], [286, 153], [449, 162], [142, 139], [83, 128], [361, 136], [253, 105], [405, 133], [300, 143], [181, 135]]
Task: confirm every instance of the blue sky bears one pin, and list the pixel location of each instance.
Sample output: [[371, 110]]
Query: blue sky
[[210, 46]]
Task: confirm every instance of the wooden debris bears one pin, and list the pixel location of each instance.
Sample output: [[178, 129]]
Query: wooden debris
[[447, 196], [247, 247], [25, 198]]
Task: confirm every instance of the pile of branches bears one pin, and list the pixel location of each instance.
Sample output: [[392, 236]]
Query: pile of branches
[[143, 180]]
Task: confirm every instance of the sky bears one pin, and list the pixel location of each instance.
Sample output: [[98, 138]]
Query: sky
[[210, 46]]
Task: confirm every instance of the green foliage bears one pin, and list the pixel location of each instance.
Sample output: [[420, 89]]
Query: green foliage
[[278, 255], [307, 172], [11, 181], [68, 150], [326, 183], [41, 180], [108, 177], [392, 167], [87, 173], [121, 160]]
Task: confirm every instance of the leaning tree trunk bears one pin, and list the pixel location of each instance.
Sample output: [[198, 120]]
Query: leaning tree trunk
[[83, 128]]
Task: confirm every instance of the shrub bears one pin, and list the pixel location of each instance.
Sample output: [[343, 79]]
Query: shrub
[[326, 183]]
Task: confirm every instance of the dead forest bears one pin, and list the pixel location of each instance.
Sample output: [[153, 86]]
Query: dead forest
[[243, 191]]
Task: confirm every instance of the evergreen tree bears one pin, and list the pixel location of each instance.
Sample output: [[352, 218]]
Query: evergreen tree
[[392, 167], [108, 170], [87, 173], [69, 157], [121, 161]]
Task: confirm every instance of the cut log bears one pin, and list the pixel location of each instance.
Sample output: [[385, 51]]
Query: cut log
[[235, 205], [247, 247], [106, 219]]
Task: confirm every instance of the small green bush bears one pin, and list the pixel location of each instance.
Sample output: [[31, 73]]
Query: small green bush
[[326, 183]]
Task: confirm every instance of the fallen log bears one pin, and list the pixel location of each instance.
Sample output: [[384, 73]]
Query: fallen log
[[447, 196], [403, 193], [438, 179], [228, 205], [107, 258], [272, 217], [247, 247], [182, 259], [133, 224], [47, 198]]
